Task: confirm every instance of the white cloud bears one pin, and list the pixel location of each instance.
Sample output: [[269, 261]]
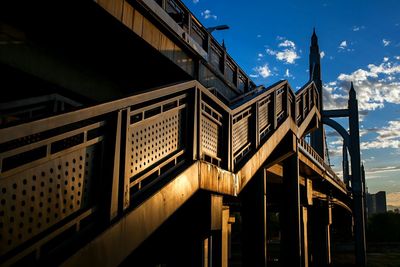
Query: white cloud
[[385, 42], [195, 1], [385, 59], [289, 53], [287, 43], [288, 74], [397, 57], [264, 71], [259, 35], [207, 14], [289, 56], [387, 137], [375, 86], [343, 44], [270, 52], [358, 28], [382, 169], [322, 54]]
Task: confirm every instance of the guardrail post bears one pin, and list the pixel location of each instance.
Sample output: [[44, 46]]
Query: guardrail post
[[196, 124], [256, 134], [124, 170], [116, 169], [198, 130], [230, 165]]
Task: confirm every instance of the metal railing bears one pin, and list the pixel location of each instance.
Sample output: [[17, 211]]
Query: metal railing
[[315, 156], [56, 174], [216, 56]]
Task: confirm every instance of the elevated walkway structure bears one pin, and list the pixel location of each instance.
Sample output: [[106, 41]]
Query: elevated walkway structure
[[112, 168]]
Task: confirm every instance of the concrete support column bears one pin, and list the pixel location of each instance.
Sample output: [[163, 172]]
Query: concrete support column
[[225, 236], [212, 245], [254, 222], [291, 242], [321, 217], [304, 236]]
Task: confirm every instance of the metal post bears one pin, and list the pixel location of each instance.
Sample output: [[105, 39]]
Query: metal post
[[116, 170], [346, 176]]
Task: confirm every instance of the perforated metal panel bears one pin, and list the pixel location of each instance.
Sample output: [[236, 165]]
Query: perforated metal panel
[[240, 134], [210, 133], [263, 114], [279, 104], [154, 139], [35, 199]]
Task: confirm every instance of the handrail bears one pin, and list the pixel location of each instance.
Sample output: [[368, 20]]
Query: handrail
[[321, 162]]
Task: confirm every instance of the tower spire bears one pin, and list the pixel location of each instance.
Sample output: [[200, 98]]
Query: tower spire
[[314, 39], [352, 92], [318, 135], [315, 61]]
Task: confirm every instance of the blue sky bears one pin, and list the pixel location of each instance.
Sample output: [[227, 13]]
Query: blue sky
[[359, 42]]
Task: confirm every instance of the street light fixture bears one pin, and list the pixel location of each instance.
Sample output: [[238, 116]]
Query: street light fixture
[[218, 28]]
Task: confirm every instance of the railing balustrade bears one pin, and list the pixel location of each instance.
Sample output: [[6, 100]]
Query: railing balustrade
[[56, 173], [321, 162]]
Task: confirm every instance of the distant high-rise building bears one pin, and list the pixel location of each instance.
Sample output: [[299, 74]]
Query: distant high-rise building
[[376, 203]]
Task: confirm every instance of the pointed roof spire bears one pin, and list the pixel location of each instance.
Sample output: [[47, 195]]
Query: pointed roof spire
[[314, 38], [352, 92]]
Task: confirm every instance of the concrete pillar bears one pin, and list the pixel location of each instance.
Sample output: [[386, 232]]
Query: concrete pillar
[[304, 236], [254, 222], [321, 220], [291, 242], [225, 236], [213, 243]]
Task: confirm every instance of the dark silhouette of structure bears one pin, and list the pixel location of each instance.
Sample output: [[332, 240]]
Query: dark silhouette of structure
[[130, 137], [376, 203]]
